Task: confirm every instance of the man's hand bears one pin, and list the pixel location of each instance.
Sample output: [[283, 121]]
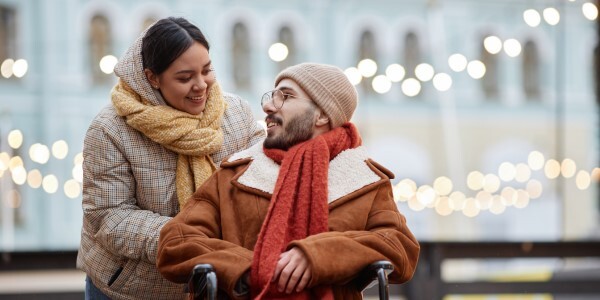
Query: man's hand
[[292, 271]]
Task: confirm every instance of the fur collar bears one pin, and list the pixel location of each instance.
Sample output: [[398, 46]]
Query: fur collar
[[262, 171]]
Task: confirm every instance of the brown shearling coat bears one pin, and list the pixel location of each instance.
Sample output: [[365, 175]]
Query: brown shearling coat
[[220, 224]]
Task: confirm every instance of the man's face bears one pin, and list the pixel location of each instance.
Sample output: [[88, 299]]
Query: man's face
[[294, 122]]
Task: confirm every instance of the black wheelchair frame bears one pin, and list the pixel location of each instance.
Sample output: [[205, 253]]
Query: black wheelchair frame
[[202, 284]]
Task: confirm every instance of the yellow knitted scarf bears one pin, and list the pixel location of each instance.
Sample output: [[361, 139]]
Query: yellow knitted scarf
[[193, 137]]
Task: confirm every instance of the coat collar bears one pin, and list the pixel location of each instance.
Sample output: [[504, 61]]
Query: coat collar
[[262, 171]]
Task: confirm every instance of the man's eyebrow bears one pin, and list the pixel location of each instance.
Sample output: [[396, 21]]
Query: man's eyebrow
[[287, 89]]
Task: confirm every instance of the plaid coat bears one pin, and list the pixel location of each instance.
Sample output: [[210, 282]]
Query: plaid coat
[[129, 190], [129, 193]]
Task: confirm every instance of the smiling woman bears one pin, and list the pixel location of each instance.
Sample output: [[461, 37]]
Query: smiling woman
[[167, 130]]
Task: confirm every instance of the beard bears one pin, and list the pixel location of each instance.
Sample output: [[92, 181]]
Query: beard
[[299, 129]]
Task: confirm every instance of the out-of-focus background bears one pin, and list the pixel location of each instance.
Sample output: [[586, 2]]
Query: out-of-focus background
[[485, 110]]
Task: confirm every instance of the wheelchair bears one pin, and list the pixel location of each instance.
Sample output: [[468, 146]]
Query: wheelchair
[[202, 284]]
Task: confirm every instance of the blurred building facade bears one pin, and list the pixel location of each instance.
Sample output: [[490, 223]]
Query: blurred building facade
[[475, 155]]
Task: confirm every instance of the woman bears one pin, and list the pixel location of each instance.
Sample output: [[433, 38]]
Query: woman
[[168, 128]]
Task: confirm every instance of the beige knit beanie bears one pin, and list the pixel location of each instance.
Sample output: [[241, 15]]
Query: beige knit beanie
[[328, 86]]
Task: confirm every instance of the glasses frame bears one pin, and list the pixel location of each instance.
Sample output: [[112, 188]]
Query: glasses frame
[[267, 97]]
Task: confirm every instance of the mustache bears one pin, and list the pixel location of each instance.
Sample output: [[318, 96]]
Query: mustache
[[272, 118]]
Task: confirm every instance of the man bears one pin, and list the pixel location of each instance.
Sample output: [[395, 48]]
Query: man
[[300, 215]]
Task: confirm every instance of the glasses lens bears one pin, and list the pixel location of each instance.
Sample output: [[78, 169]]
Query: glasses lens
[[276, 96]]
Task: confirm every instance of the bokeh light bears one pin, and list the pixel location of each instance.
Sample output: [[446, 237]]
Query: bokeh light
[[278, 52], [395, 72], [532, 17], [367, 67]]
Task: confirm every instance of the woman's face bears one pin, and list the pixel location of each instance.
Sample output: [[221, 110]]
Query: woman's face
[[185, 83]]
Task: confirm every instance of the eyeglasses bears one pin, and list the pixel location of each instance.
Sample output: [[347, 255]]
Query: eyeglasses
[[278, 97]]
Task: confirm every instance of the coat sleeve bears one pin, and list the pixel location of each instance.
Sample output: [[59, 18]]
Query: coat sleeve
[[110, 208], [337, 257], [194, 237]]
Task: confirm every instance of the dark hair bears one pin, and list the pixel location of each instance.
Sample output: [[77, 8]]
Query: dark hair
[[166, 40]]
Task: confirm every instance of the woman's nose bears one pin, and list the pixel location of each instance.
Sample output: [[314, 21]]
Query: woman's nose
[[200, 85]]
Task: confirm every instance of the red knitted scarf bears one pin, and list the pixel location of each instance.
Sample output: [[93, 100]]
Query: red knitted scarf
[[298, 206]]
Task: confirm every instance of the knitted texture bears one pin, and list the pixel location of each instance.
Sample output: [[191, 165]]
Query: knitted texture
[[298, 206], [193, 137], [327, 86]]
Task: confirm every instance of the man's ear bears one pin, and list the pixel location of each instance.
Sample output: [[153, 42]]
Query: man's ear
[[152, 78], [322, 120]]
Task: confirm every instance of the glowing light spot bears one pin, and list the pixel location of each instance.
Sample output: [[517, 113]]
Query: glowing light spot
[[381, 84], [523, 173], [532, 17], [20, 68], [39, 153], [15, 139], [491, 183], [551, 15], [108, 63], [278, 52], [476, 69], [471, 208], [590, 11], [404, 190], [507, 171], [424, 72], [19, 175], [492, 44], [60, 149], [6, 69], [34, 178], [442, 82], [512, 47], [353, 75], [497, 207], [395, 72], [536, 160], [50, 184], [367, 67], [552, 168], [475, 180], [443, 185], [583, 180], [534, 189], [457, 62], [411, 87], [442, 207], [457, 200], [568, 168], [72, 189]]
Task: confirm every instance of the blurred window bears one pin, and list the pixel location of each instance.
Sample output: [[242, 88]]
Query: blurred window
[[367, 49], [286, 37], [100, 45], [7, 33], [531, 71], [489, 82], [412, 54], [241, 56]]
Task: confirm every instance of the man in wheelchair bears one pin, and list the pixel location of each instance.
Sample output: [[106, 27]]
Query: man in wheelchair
[[300, 215]]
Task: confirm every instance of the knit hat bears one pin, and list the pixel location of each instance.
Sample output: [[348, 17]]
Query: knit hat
[[327, 86]]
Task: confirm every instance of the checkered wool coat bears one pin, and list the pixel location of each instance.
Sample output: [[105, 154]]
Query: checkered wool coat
[[129, 192]]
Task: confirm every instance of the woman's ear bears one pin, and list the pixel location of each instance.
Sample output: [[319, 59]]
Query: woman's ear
[[152, 78]]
